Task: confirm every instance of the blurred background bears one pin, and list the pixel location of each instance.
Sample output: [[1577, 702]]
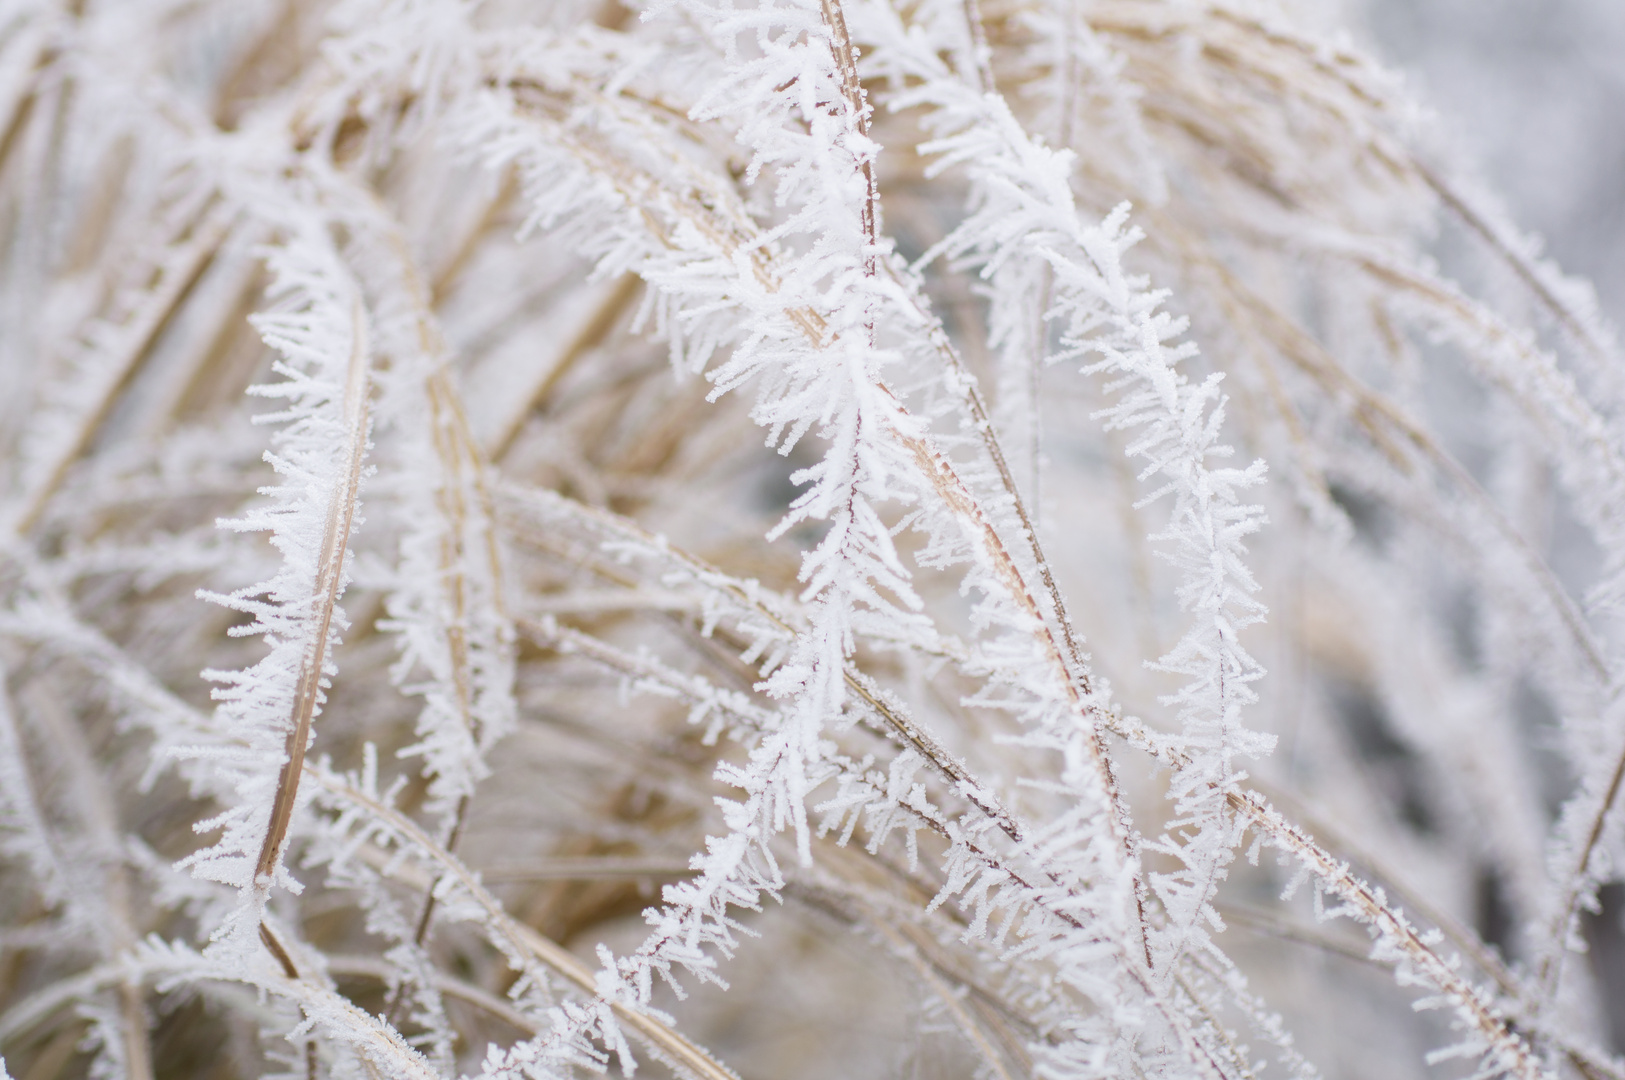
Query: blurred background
[[1532, 94]]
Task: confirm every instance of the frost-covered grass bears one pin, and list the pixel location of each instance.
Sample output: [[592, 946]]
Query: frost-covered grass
[[848, 537]]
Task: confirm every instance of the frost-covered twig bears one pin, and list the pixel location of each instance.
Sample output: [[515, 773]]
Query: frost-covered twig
[[323, 335]]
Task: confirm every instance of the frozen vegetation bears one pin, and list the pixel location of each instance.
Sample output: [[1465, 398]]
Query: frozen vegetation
[[942, 538]]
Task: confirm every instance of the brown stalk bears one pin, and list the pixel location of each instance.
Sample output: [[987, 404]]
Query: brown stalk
[[956, 495], [1238, 1059], [591, 334], [1336, 877], [446, 277], [1459, 935], [1551, 964], [459, 455], [367, 967], [325, 594], [444, 417], [525, 941], [857, 117], [980, 52], [17, 120], [203, 237], [1588, 1063], [420, 932], [1271, 925], [274, 946], [1557, 403], [314, 1000], [589, 868], [1577, 327]]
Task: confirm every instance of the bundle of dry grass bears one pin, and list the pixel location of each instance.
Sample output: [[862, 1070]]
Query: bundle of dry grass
[[417, 665]]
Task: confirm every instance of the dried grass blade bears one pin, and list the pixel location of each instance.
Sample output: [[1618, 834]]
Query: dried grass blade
[[655, 1033], [329, 583], [176, 278]]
